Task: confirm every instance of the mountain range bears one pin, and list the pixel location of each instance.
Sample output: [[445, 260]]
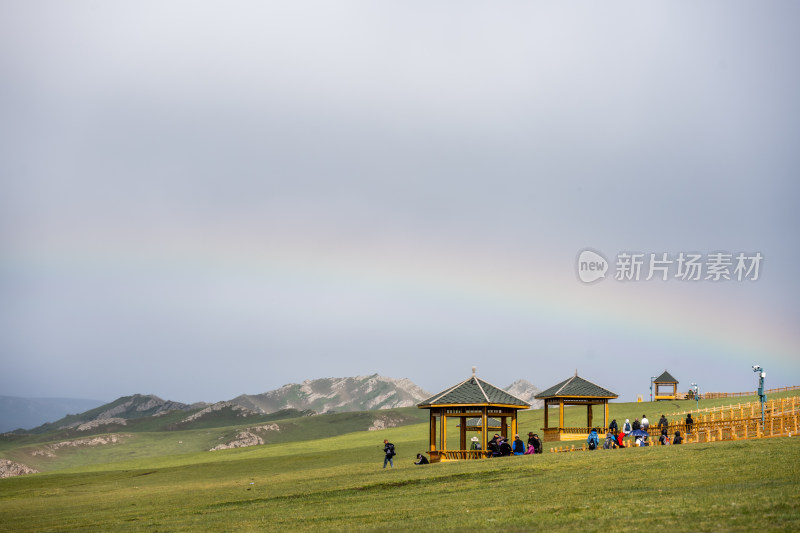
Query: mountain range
[[327, 395]]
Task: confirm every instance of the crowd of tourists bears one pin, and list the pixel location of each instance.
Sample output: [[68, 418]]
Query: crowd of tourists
[[637, 432]]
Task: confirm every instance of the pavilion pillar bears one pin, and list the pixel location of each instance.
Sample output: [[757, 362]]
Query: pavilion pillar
[[589, 416], [514, 430], [463, 441], [546, 409], [433, 430], [560, 413], [605, 414], [484, 427], [503, 427], [443, 432]]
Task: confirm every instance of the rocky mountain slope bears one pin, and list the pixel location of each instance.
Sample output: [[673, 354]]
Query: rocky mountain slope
[[525, 390], [360, 393], [118, 412]]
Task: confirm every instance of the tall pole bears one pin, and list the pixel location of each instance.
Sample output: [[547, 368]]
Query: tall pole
[[696, 396], [651, 387], [761, 395]]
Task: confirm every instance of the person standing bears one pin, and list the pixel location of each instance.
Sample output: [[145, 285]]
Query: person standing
[[689, 423], [663, 423], [388, 450]]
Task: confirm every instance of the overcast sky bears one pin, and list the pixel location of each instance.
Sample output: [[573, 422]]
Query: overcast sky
[[203, 199]]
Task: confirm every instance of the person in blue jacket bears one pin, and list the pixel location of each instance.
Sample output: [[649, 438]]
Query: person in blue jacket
[[593, 440], [518, 446]]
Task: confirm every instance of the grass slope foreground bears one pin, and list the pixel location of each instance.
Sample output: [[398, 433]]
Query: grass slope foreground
[[338, 484]]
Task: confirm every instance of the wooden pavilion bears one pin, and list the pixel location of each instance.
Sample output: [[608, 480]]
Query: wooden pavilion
[[665, 380], [574, 391], [471, 399]]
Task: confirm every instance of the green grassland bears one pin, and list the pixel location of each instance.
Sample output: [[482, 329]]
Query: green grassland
[[335, 483]]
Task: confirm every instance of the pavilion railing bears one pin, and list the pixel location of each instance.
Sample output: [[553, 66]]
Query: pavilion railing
[[454, 455]]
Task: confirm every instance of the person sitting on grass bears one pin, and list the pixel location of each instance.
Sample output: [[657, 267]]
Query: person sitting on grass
[[678, 439], [664, 438], [421, 460], [626, 427], [505, 448], [493, 446], [593, 440], [519, 446], [537, 444]]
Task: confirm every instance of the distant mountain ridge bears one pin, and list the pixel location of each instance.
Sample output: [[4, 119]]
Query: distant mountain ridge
[[326, 395], [118, 412], [360, 393]]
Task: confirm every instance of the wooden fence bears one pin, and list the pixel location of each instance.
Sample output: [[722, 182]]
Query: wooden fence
[[739, 410], [742, 421], [715, 395]]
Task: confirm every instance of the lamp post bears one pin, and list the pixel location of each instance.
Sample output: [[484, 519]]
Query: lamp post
[[761, 395], [651, 387]]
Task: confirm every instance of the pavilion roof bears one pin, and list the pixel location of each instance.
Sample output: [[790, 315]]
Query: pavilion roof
[[576, 386], [666, 377], [474, 391]]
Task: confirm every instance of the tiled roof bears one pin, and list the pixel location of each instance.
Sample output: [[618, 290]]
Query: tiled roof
[[473, 391], [576, 386], [666, 377]]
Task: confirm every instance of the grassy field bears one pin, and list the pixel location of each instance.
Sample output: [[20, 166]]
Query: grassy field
[[152, 483], [147, 438]]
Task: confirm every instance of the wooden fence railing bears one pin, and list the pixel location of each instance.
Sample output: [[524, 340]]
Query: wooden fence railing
[[452, 455], [781, 419], [740, 410], [715, 395]]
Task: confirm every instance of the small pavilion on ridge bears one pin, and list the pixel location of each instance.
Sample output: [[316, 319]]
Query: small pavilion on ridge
[[477, 406], [667, 381], [574, 391]]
